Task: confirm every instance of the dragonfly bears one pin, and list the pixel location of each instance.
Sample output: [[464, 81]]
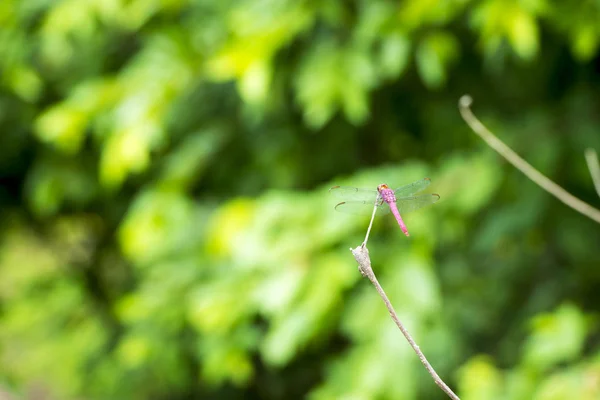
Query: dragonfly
[[399, 201]]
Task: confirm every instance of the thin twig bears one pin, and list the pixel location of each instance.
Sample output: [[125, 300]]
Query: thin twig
[[522, 165], [371, 223], [592, 161], [361, 254]]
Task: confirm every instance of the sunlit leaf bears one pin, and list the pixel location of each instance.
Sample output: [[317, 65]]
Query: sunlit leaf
[[156, 224], [434, 55], [228, 224], [133, 351], [394, 55], [523, 33], [585, 42], [25, 82], [63, 126], [480, 379], [555, 338]]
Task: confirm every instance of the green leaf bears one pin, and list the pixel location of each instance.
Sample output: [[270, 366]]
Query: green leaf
[[523, 33], [63, 126], [556, 337], [585, 41], [394, 55], [480, 380], [434, 55]]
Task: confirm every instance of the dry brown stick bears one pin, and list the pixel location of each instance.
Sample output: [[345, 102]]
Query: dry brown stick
[[361, 254], [522, 165], [592, 161]]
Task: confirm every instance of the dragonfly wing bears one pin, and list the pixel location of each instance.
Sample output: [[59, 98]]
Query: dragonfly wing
[[361, 207], [412, 188], [409, 204], [354, 194]]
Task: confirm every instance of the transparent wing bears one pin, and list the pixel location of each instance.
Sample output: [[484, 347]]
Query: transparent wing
[[354, 194], [412, 188], [361, 207], [409, 204]]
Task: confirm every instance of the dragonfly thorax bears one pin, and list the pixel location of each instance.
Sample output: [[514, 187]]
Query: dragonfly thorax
[[386, 193]]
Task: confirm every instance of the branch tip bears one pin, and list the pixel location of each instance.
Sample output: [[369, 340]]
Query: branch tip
[[465, 101]]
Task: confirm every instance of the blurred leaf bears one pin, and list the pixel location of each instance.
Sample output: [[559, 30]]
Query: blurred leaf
[[37, 262], [133, 351], [480, 379], [218, 309], [227, 359], [416, 13], [53, 184], [577, 383], [514, 21], [556, 338], [189, 161], [586, 41], [330, 78], [125, 152], [523, 34], [307, 321], [434, 55], [258, 30], [158, 223], [25, 82], [64, 126], [227, 225], [394, 55], [468, 183]]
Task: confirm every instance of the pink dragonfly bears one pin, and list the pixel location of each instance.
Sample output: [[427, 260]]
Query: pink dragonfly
[[401, 200]]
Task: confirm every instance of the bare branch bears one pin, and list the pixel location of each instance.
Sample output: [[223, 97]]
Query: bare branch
[[592, 161], [522, 165], [361, 254]]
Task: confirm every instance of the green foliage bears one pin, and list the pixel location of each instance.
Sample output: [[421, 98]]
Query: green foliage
[[554, 339], [165, 226]]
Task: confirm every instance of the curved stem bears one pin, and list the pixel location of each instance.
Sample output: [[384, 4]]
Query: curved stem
[[522, 165]]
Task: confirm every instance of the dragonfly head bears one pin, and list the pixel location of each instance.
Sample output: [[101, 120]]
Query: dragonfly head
[[381, 187]]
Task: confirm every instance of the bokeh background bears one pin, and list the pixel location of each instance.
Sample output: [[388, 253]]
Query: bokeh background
[[166, 230]]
